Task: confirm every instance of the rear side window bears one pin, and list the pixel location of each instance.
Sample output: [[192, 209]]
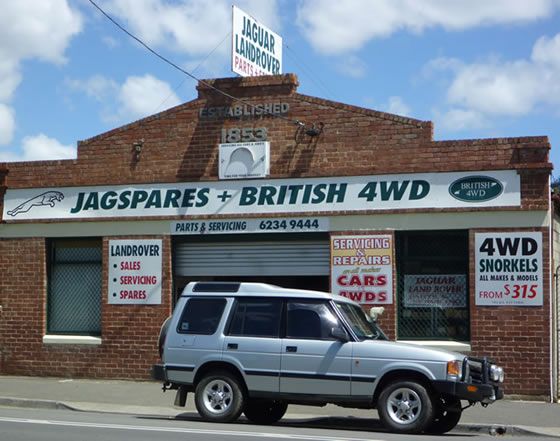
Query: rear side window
[[201, 316], [256, 318]]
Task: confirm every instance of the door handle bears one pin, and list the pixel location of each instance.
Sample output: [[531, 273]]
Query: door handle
[[291, 348], [232, 346]]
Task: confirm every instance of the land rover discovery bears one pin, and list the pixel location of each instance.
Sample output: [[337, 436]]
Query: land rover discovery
[[254, 348]]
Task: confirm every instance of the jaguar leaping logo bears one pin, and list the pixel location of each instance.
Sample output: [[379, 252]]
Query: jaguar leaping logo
[[47, 198]]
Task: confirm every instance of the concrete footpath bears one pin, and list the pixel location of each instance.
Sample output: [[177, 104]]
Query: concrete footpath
[[146, 398]]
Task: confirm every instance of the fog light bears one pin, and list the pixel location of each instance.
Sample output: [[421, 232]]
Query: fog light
[[502, 375], [472, 388], [496, 373]]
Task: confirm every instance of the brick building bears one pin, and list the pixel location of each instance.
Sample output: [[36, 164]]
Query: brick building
[[452, 238]]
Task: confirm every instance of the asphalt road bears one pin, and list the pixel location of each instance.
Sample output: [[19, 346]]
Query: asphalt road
[[18, 424]]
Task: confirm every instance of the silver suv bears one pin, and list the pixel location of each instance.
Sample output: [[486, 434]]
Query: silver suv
[[254, 348]]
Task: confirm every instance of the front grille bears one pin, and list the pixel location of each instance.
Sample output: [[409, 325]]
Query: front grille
[[476, 370]]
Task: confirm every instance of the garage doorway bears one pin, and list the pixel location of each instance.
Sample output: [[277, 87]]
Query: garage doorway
[[299, 261]]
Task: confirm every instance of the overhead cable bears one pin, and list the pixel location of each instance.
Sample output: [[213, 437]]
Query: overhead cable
[[171, 63]]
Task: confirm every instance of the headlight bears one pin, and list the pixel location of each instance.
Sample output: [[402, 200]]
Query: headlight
[[454, 370], [496, 373]]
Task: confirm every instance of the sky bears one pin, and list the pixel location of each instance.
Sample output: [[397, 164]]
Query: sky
[[476, 68]]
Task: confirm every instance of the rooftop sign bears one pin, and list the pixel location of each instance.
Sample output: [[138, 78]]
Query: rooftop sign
[[256, 50]]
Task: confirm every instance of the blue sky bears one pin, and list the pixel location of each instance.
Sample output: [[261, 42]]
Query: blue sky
[[477, 68]]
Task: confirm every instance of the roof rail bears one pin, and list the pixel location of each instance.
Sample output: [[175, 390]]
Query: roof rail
[[216, 287]]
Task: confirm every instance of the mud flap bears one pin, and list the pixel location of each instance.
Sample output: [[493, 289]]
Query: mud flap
[[181, 397]]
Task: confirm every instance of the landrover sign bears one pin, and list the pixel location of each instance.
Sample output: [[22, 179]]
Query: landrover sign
[[476, 188]]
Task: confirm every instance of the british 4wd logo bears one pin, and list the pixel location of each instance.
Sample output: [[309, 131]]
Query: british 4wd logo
[[476, 189]]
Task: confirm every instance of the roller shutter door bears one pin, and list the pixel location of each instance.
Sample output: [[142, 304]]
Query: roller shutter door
[[255, 258]]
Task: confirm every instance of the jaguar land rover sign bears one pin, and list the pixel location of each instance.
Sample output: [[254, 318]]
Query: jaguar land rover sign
[[256, 50]]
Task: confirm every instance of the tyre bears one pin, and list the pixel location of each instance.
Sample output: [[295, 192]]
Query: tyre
[[447, 416], [264, 411], [405, 407], [219, 397]]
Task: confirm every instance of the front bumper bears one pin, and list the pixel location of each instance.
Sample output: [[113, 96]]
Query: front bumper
[[485, 393]]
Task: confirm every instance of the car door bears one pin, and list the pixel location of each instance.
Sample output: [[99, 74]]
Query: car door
[[313, 362], [252, 342], [369, 354], [196, 339]]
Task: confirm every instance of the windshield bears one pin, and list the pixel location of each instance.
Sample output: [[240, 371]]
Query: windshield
[[362, 325]]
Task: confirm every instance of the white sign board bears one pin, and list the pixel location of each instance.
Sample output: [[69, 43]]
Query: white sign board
[[509, 269], [289, 196], [266, 225], [244, 160], [135, 271], [362, 268], [256, 50], [435, 291]]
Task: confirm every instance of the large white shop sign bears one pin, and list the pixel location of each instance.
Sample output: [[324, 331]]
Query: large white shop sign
[[135, 271], [290, 196], [509, 269]]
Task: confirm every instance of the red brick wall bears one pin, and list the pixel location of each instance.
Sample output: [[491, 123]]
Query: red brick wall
[[129, 332], [517, 338], [355, 141], [180, 147], [22, 296]]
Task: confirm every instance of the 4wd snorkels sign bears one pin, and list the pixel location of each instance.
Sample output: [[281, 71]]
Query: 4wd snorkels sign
[[256, 50], [266, 196]]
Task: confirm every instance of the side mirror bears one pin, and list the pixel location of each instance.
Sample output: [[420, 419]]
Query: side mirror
[[340, 334], [375, 312]]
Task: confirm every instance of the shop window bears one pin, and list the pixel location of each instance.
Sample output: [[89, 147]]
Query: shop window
[[432, 291], [74, 295]]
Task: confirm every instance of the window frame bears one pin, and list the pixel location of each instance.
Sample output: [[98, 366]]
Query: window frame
[[51, 261], [374, 327], [325, 302], [233, 311], [223, 300], [449, 264]]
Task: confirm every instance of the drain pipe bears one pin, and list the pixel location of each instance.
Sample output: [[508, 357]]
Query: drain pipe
[[552, 301], [554, 337]]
